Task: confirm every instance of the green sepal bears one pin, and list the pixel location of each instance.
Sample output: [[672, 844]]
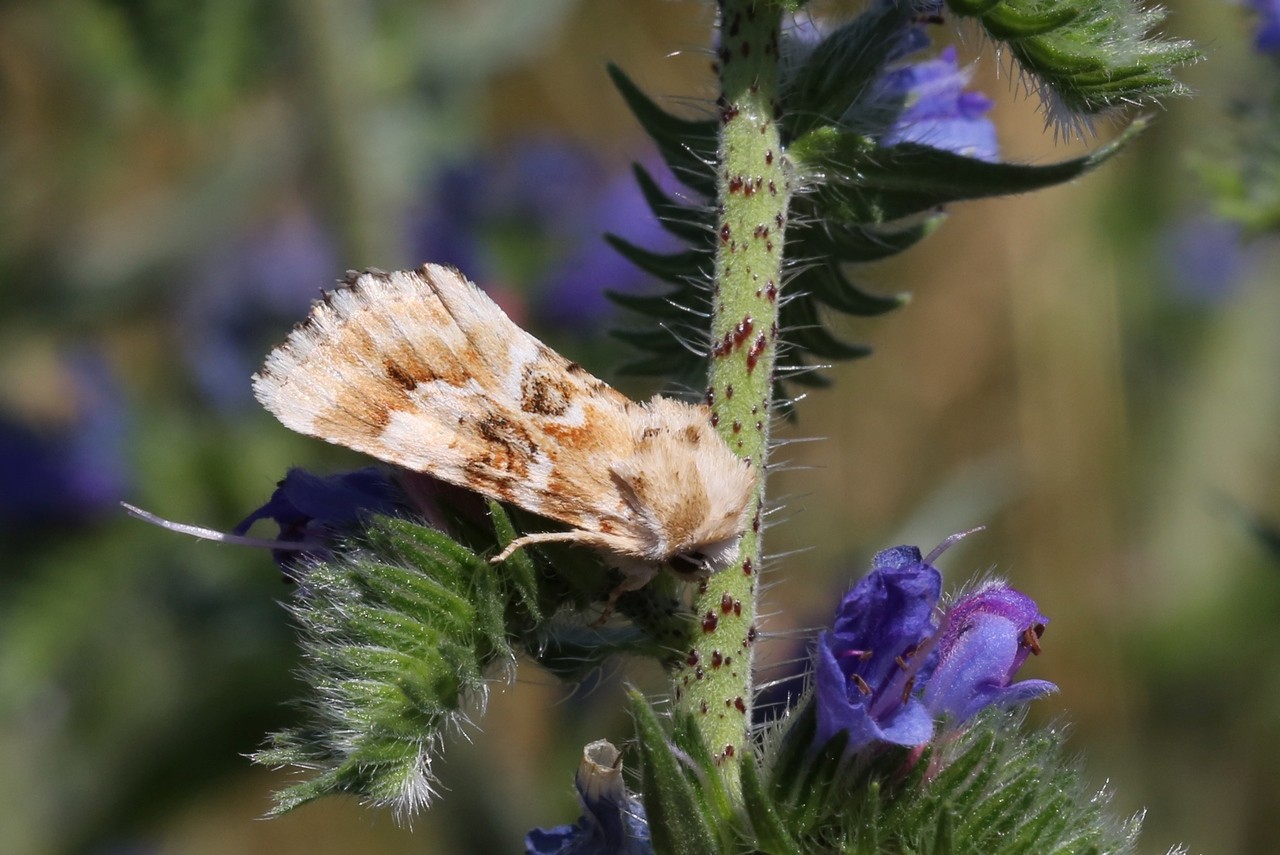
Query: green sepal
[[991, 787], [687, 145], [1004, 21], [1094, 55], [519, 567], [943, 833], [677, 825]]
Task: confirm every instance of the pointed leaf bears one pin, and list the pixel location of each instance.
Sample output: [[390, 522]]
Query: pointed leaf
[[676, 826], [687, 222], [669, 305], [676, 267], [687, 145], [838, 72], [827, 284], [771, 838], [872, 184]]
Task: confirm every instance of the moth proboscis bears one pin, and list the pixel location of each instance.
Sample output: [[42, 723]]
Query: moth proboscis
[[421, 369]]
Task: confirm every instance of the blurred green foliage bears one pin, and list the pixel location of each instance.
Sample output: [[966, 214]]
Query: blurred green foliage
[[1051, 378]]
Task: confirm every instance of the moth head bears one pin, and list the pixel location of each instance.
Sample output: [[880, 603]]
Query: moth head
[[698, 564], [688, 490]]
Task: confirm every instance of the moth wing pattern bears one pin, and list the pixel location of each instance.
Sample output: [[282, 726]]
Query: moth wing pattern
[[423, 370]]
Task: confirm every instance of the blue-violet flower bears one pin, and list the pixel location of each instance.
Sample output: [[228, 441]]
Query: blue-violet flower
[[938, 111], [319, 509], [868, 663]]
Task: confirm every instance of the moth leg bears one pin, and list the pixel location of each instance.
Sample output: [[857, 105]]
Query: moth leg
[[574, 536], [635, 575]]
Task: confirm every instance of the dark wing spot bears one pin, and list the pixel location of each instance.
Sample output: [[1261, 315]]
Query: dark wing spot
[[508, 445], [399, 375], [543, 393]]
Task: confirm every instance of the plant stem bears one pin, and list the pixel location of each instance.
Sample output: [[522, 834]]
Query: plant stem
[[714, 683]]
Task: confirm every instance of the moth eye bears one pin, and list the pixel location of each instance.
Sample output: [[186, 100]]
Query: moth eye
[[689, 563]]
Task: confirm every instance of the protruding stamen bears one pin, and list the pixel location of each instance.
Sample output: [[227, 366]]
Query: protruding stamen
[[949, 542], [1031, 638]]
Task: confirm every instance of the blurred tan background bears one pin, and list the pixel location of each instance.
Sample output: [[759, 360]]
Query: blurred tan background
[[181, 178]]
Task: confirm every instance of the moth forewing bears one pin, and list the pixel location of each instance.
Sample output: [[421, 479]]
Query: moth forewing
[[421, 369]]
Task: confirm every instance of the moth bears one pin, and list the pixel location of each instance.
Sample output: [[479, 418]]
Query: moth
[[420, 369]]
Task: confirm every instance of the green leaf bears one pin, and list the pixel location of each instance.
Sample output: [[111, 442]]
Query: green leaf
[[771, 838], [673, 267], [687, 145], [676, 825], [872, 184], [828, 284], [839, 71], [687, 222], [666, 306], [855, 242]]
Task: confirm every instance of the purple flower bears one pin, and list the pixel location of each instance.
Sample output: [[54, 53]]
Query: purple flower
[[868, 663], [894, 662], [1267, 37], [538, 211], [320, 509], [243, 293], [937, 110], [1204, 259], [77, 466], [989, 634], [613, 821]]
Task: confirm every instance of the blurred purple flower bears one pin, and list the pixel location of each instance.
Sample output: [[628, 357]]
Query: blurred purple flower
[[893, 663], [244, 293], [321, 509], [538, 209], [989, 634], [73, 469], [613, 821], [938, 111], [1266, 38], [1203, 258]]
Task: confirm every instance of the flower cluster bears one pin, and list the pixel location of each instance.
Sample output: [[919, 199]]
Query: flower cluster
[[894, 663]]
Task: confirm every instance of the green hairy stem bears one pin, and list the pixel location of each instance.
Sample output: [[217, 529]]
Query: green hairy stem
[[714, 681]]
